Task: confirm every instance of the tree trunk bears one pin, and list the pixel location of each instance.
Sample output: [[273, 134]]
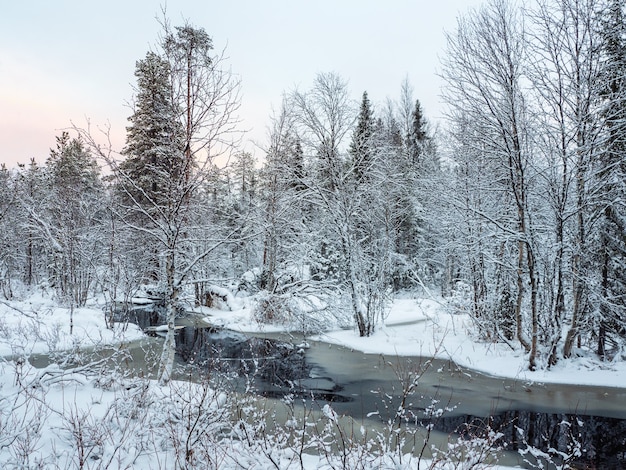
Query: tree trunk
[[166, 365], [520, 298], [579, 246], [603, 302], [530, 257]]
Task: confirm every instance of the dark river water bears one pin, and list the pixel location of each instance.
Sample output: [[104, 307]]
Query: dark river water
[[367, 387]]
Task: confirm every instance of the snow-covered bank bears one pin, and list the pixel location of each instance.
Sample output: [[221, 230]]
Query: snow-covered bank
[[414, 327], [38, 325], [434, 332], [424, 327]]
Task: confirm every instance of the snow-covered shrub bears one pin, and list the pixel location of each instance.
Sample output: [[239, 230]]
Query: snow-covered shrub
[[273, 308], [460, 300], [403, 272], [477, 446], [249, 282]]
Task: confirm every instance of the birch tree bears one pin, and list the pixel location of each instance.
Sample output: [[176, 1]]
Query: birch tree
[[565, 75], [484, 73], [183, 120]]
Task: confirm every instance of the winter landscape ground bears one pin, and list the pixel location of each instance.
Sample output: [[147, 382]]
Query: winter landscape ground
[[75, 415]]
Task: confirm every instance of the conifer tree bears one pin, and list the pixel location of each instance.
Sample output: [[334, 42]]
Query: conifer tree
[[418, 136], [611, 170], [361, 147], [69, 221], [154, 158]]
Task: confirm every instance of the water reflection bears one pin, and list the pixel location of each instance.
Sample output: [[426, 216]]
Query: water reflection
[[575, 441]]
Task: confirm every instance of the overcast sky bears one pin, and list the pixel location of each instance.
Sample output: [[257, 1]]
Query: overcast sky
[[70, 60]]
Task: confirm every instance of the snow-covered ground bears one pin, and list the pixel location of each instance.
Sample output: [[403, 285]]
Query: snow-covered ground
[[87, 418], [37, 325]]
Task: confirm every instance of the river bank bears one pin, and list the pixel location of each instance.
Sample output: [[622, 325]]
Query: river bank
[[416, 330], [424, 327], [414, 327]]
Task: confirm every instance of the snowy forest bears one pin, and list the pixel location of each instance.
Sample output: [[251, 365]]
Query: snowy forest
[[512, 210]]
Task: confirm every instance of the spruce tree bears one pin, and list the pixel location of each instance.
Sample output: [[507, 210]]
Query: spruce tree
[[419, 167], [71, 219], [154, 159], [361, 147], [611, 171], [418, 136]]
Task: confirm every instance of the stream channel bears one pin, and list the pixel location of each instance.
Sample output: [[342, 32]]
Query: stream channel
[[368, 388]]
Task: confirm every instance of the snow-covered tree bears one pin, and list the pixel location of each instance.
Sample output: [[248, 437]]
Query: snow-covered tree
[[10, 231], [484, 70], [148, 180], [68, 219], [201, 84], [182, 122], [353, 217], [413, 154], [610, 192], [361, 146], [154, 143], [564, 42], [31, 184], [281, 214]]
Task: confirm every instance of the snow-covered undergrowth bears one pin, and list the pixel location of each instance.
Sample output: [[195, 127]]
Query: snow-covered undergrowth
[[91, 416], [86, 418], [36, 324]]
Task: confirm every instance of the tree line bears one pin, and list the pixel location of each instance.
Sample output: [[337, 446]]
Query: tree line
[[536, 103], [514, 212]]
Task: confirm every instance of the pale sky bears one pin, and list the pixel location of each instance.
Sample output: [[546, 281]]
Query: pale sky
[[71, 60]]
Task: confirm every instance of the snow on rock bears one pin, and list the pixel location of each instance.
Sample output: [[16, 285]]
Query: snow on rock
[[220, 298]]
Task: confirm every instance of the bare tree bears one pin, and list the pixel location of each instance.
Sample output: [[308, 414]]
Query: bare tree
[[565, 75], [204, 90], [484, 73]]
